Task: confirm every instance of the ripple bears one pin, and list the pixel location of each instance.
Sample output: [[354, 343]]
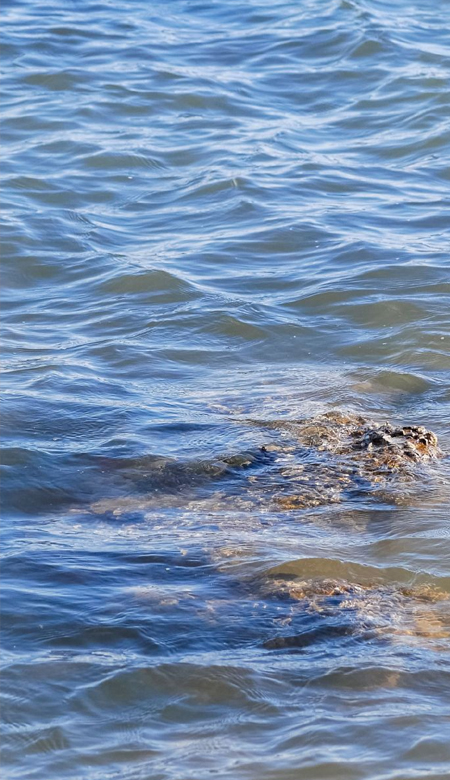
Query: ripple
[[216, 213]]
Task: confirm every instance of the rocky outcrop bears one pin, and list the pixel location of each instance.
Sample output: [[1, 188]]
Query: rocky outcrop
[[321, 458]]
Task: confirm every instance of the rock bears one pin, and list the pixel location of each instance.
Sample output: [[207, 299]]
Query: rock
[[367, 611], [317, 460]]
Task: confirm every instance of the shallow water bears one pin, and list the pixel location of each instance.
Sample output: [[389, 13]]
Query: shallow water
[[217, 213]]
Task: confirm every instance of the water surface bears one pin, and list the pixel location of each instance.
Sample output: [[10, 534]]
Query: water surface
[[217, 212]]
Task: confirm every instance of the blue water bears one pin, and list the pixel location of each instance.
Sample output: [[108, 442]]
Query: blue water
[[216, 213]]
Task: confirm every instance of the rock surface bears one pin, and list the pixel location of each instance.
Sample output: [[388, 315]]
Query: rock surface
[[368, 611], [322, 457]]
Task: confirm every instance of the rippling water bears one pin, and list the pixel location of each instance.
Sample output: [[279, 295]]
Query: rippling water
[[215, 213]]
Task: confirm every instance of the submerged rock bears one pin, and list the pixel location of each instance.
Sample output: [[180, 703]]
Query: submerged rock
[[377, 445], [334, 452], [304, 464], [360, 610]]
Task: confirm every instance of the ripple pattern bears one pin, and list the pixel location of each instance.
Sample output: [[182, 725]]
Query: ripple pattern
[[216, 212]]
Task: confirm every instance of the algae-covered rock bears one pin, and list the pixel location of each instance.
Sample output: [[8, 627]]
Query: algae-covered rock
[[321, 458], [302, 464], [359, 601]]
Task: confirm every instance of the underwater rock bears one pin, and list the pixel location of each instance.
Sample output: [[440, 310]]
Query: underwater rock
[[334, 452], [360, 609]]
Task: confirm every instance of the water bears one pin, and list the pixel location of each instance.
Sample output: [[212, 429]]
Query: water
[[216, 213]]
